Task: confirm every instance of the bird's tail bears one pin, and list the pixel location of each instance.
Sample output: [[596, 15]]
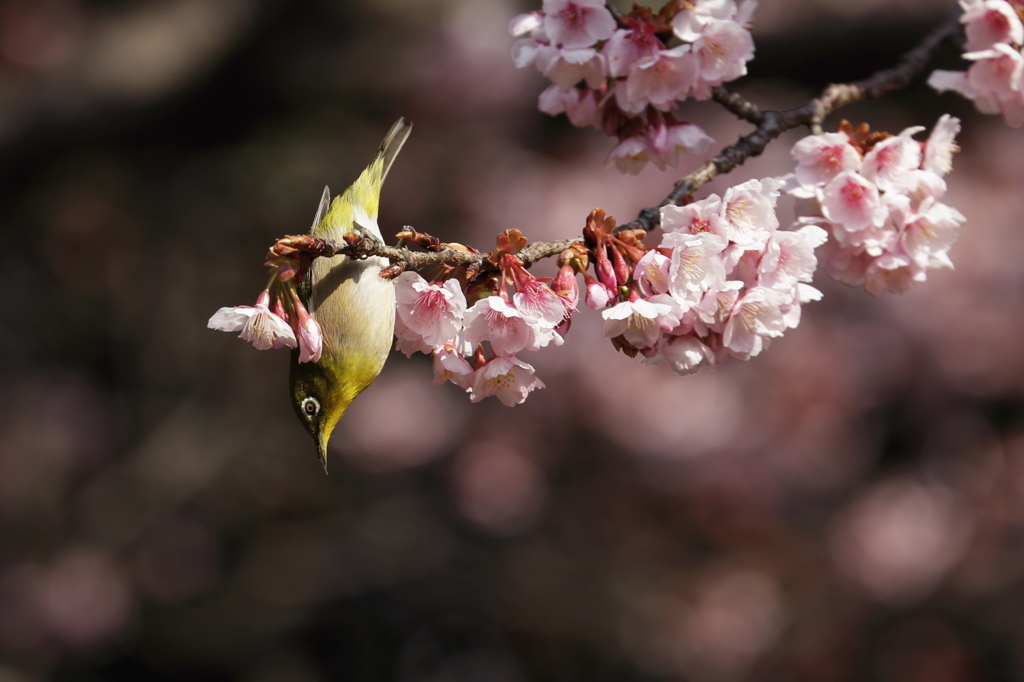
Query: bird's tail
[[359, 204]]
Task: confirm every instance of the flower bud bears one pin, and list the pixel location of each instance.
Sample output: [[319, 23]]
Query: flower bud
[[566, 286], [597, 293]]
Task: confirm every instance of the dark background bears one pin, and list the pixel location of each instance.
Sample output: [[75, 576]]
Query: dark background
[[847, 506]]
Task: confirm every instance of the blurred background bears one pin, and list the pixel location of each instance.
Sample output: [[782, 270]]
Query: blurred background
[[847, 506]]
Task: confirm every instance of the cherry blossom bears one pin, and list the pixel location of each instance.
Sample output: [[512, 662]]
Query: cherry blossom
[[660, 80], [259, 326], [749, 211], [684, 354], [988, 22], [507, 378], [689, 24], [700, 216], [626, 48], [756, 315], [597, 296], [939, 150], [450, 366], [723, 50], [500, 323], [632, 154], [641, 322], [434, 311], [577, 23], [311, 339], [822, 157], [884, 237], [994, 81], [853, 201], [652, 273], [669, 141], [695, 267]]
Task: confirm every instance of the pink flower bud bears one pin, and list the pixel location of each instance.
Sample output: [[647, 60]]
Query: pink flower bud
[[597, 293], [566, 286], [311, 339], [603, 267], [620, 267]]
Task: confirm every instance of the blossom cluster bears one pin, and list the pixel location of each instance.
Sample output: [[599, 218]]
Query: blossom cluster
[[436, 318], [620, 75], [879, 199], [995, 81], [724, 280]]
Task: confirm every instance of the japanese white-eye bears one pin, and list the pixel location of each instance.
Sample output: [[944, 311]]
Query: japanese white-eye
[[353, 304]]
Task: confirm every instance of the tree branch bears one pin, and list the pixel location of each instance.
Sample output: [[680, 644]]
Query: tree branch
[[769, 126]]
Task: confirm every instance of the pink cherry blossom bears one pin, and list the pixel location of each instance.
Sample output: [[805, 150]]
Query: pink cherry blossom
[[696, 218], [652, 273], [526, 51], [891, 159], [408, 341], [996, 71], [311, 339], [538, 302], [715, 306], [661, 80], [577, 23], [567, 287], [632, 154], [495, 320], [579, 106], [509, 379], [822, 157], [756, 315], [258, 324], [597, 296], [626, 48], [668, 142], [689, 24], [749, 211], [450, 366], [929, 233], [695, 266], [525, 23], [789, 257], [684, 354], [567, 67], [434, 311], [852, 200], [987, 22], [723, 51], [640, 322]]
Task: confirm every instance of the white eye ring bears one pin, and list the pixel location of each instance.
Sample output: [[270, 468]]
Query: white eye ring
[[310, 407]]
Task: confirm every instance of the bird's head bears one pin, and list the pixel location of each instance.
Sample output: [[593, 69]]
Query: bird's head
[[320, 398]]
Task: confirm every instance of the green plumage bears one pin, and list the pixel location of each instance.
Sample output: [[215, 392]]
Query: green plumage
[[354, 306]]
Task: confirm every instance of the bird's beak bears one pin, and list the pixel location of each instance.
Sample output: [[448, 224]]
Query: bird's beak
[[321, 448]]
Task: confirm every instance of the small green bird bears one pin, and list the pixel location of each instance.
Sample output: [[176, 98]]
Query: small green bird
[[354, 306]]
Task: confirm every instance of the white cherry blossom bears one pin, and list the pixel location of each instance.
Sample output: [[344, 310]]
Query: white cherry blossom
[[258, 324]]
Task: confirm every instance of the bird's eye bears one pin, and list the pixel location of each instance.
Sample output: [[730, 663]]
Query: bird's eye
[[310, 406]]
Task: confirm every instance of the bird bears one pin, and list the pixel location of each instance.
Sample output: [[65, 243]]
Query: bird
[[353, 304]]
